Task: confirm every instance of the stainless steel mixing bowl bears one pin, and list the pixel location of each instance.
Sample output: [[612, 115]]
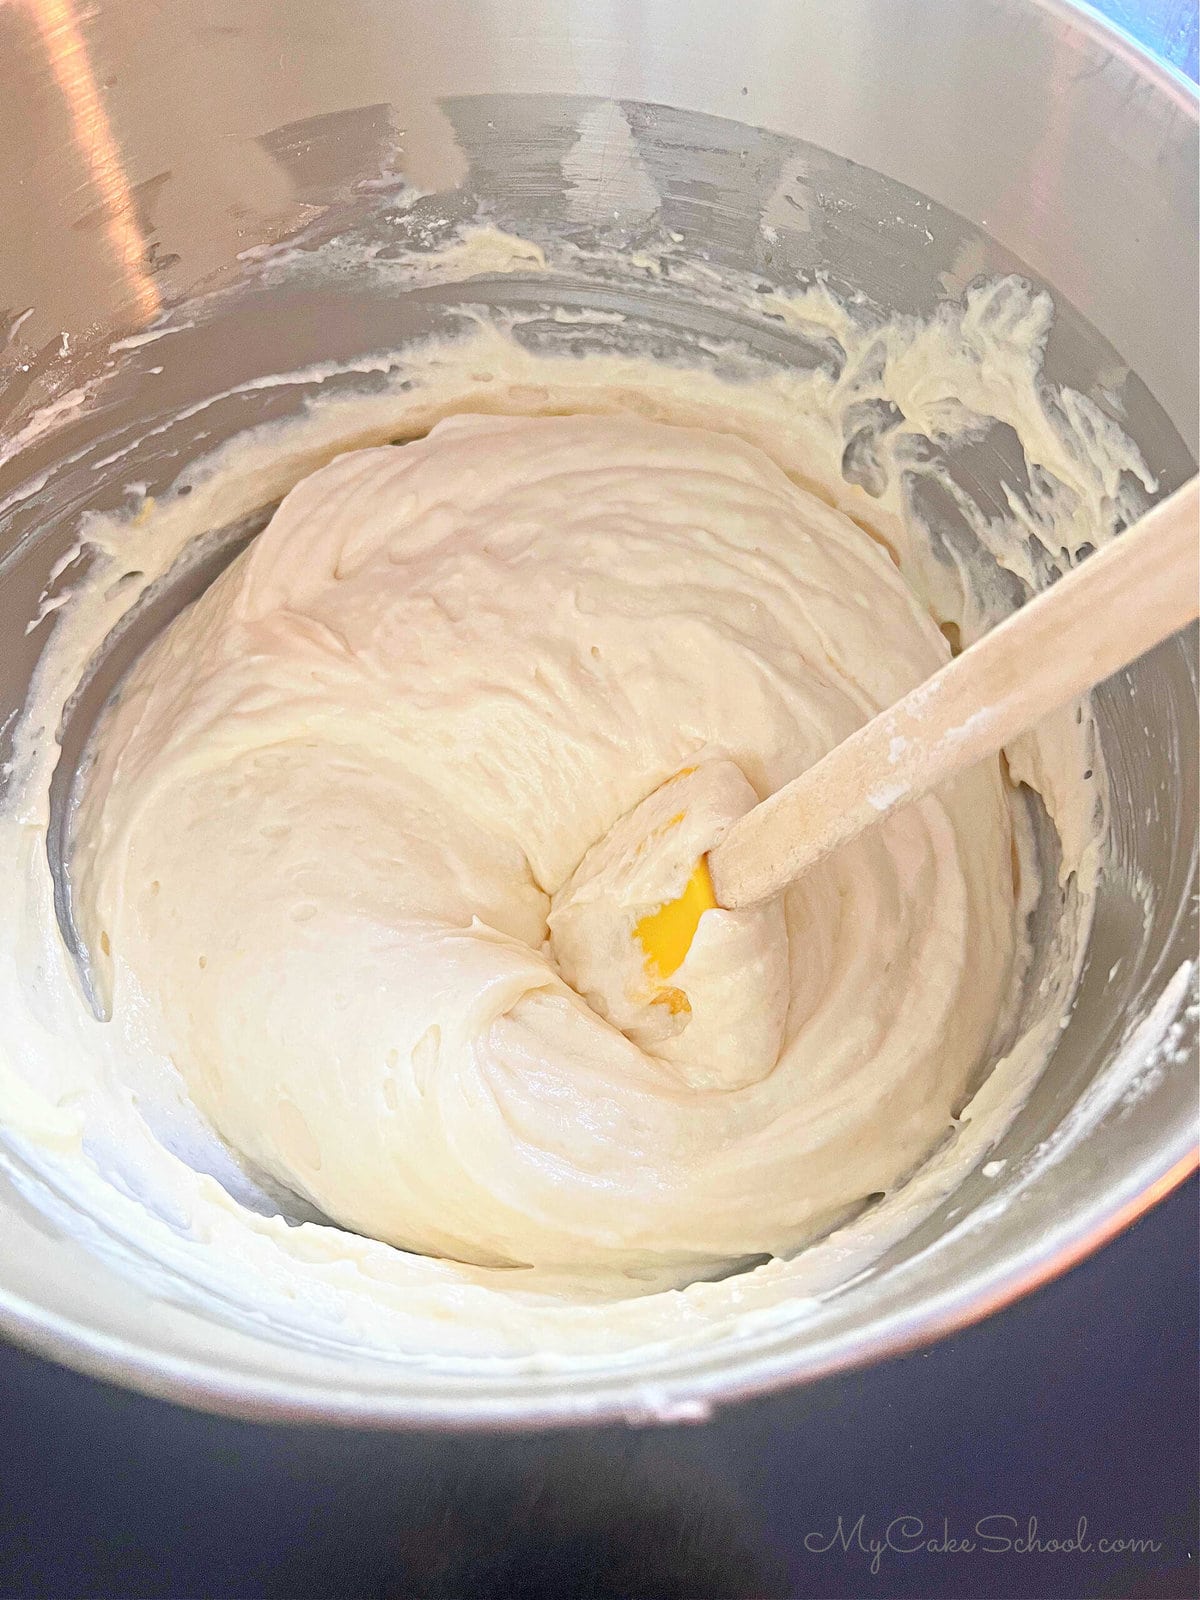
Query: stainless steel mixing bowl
[[899, 147]]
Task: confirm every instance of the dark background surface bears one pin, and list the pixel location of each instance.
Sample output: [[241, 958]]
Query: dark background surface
[[1080, 1402]]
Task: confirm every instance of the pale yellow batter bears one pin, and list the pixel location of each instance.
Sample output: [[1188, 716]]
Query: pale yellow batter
[[340, 800], [346, 858]]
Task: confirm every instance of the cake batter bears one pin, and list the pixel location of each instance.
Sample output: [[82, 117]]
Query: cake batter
[[355, 869], [327, 854]]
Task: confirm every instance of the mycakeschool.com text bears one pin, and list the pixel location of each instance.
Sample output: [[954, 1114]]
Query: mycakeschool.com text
[[997, 1533]]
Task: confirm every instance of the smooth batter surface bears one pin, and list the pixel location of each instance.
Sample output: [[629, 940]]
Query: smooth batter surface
[[388, 721], [337, 805]]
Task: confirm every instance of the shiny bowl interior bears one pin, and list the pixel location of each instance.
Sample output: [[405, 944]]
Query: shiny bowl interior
[[897, 150]]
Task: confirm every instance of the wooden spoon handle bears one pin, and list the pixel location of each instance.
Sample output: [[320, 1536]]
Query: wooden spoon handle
[[1108, 611]]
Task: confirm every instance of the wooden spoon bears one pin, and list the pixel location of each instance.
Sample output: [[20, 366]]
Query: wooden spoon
[[1115, 606]]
